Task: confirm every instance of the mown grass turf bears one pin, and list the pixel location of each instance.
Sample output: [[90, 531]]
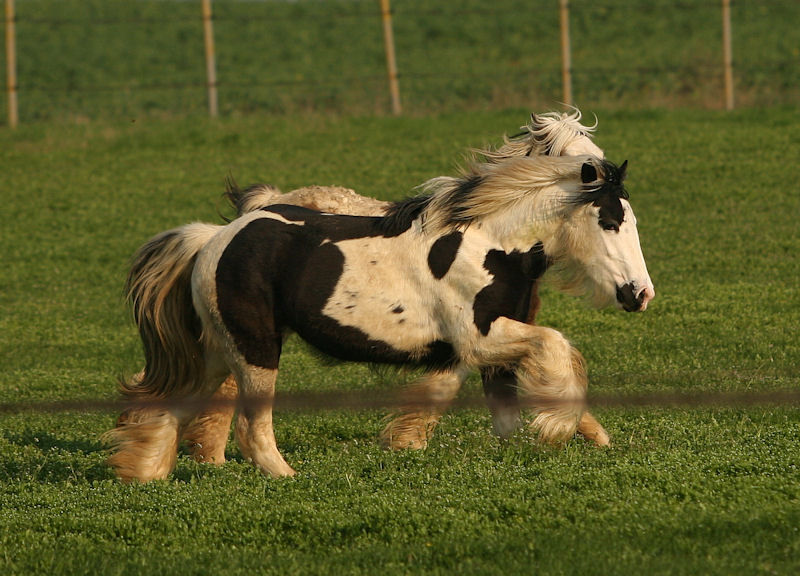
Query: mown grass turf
[[682, 491]]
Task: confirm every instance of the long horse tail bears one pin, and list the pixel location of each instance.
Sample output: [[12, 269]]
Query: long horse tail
[[160, 292]]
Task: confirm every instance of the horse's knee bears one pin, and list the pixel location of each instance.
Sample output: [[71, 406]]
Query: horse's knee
[[552, 346], [507, 341]]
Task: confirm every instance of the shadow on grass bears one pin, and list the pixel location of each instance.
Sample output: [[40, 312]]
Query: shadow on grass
[[45, 457], [46, 441]]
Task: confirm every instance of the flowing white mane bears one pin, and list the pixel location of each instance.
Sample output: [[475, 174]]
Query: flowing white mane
[[550, 134], [537, 188]]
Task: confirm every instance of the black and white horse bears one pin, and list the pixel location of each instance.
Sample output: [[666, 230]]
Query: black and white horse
[[441, 281], [550, 133]]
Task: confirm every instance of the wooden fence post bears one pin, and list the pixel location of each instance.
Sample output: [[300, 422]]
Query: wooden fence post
[[391, 62], [727, 50], [566, 52], [11, 64], [211, 60]]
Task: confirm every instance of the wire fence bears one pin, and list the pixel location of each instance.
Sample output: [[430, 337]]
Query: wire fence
[[92, 58], [405, 400]]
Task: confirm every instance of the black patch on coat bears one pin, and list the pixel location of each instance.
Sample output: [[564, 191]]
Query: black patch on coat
[[607, 194], [509, 294], [274, 276], [612, 214], [443, 254], [333, 227]]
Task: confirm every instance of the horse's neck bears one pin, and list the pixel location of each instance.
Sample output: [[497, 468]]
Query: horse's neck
[[519, 230]]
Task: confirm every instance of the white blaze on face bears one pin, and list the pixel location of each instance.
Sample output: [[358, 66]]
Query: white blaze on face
[[625, 249], [626, 258], [606, 261]]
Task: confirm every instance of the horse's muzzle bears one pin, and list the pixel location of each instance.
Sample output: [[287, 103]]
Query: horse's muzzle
[[633, 300]]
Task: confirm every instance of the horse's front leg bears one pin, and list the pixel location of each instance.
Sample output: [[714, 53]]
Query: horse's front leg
[[592, 430], [425, 401], [500, 390], [550, 373]]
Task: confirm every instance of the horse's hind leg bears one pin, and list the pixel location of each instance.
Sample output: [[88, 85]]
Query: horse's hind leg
[[426, 400], [254, 431], [207, 435], [144, 444]]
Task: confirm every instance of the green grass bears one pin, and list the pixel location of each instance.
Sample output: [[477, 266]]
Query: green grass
[[118, 59], [682, 491]]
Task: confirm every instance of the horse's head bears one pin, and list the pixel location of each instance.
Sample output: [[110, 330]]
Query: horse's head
[[600, 254]]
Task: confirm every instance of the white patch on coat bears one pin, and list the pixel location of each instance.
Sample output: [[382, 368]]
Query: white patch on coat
[[388, 291]]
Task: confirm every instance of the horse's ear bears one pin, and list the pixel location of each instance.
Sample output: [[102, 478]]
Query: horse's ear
[[588, 173], [623, 170]]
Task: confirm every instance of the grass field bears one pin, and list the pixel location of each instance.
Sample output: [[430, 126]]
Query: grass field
[[119, 59], [682, 491]]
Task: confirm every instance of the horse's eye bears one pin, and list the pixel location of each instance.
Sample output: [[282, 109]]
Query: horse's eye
[[609, 225]]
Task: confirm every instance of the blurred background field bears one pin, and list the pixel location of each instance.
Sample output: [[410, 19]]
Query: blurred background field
[[83, 59]]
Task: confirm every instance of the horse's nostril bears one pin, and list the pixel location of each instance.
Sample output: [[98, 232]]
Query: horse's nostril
[[626, 297], [632, 300]]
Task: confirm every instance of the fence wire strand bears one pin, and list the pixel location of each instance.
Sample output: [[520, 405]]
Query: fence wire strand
[[402, 400]]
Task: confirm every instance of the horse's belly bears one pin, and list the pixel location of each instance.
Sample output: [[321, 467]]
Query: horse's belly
[[374, 334]]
